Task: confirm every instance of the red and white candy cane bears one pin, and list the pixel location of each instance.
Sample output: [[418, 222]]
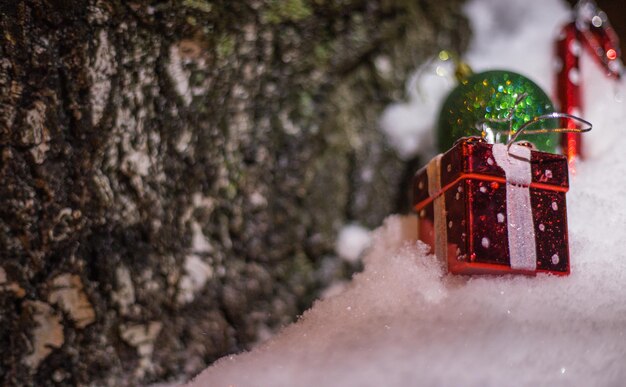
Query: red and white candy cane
[[589, 29]]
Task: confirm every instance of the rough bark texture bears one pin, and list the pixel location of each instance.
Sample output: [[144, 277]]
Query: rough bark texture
[[174, 173]]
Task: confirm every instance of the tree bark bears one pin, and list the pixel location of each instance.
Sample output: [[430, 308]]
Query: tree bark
[[174, 173]]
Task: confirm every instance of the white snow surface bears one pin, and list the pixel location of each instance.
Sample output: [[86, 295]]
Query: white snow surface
[[402, 321]]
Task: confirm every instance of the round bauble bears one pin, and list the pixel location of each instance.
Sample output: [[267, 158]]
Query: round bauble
[[492, 101]]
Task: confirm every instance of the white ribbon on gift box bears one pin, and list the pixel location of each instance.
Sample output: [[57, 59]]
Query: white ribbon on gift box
[[515, 161]]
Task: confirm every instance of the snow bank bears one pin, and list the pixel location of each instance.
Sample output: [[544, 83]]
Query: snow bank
[[402, 322]]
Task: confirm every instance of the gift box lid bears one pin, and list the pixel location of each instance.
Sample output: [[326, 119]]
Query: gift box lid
[[472, 157]]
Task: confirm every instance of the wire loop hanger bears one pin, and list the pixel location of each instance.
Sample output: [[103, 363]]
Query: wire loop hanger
[[581, 125]]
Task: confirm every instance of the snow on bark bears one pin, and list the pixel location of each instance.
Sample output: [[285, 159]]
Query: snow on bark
[[124, 295], [100, 73], [178, 74], [197, 273]]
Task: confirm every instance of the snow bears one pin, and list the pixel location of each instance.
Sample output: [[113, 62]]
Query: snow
[[427, 89], [402, 321], [352, 241]]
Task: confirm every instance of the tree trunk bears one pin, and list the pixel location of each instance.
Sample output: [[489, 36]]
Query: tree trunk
[[174, 173]]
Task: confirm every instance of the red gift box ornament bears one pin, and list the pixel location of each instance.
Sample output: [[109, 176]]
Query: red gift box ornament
[[496, 208]]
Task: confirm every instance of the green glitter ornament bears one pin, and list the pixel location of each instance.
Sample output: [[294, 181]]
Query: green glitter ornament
[[494, 101]]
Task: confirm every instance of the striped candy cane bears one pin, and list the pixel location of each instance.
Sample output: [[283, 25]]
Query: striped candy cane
[[592, 31]]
